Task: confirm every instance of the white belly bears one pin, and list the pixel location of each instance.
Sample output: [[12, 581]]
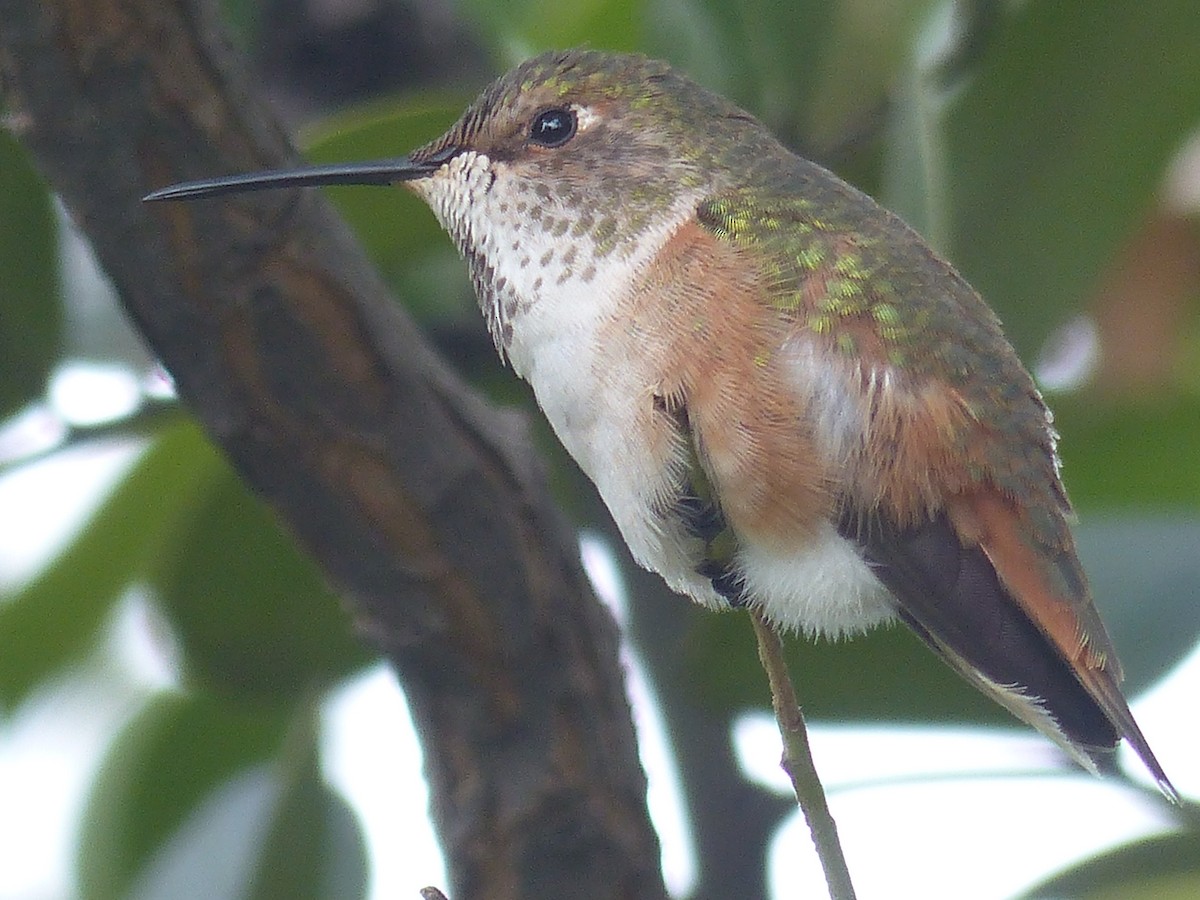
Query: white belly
[[591, 400], [821, 586], [824, 587]]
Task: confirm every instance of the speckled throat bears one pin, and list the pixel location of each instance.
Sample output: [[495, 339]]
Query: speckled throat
[[529, 245]]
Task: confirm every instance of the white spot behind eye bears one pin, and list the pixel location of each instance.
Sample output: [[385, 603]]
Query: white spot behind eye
[[585, 118]]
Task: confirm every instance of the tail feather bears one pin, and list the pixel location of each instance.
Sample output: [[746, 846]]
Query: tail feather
[[954, 596], [1107, 693]]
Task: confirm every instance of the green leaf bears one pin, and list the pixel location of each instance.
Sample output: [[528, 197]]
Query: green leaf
[[164, 762], [1130, 455], [520, 28], [763, 54], [1057, 144], [54, 618], [30, 304], [272, 830], [252, 613], [816, 72], [314, 847], [782, 45], [212, 855], [1162, 868], [698, 38]]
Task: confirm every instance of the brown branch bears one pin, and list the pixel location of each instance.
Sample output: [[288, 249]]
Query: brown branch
[[423, 504], [798, 762]]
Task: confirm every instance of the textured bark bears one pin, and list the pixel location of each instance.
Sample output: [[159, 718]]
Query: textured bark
[[732, 819], [423, 504]]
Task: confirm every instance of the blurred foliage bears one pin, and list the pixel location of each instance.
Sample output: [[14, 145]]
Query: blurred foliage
[[1132, 454], [1026, 140], [53, 619], [1162, 868], [291, 640], [519, 28], [30, 312], [1049, 167], [163, 764]]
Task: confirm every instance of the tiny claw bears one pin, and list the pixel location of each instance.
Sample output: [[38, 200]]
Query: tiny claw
[[725, 581]]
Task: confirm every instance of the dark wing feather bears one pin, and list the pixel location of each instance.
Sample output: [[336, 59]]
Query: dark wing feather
[[950, 594]]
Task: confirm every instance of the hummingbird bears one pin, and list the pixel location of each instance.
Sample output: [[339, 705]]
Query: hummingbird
[[786, 399]]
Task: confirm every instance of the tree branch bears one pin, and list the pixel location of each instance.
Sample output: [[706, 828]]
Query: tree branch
[[798, 762], [422, 503]]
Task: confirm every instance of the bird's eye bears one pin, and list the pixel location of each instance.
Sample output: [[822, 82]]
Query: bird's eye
[[553, 127]]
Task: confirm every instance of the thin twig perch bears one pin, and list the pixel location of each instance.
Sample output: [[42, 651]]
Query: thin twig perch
[[798, 762]]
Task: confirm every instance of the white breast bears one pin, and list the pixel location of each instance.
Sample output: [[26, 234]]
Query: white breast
[[552, 295]]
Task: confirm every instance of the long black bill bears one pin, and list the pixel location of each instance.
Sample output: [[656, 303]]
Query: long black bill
[[384, 171]]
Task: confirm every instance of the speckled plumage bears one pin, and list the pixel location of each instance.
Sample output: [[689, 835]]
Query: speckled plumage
[[785, 398]]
